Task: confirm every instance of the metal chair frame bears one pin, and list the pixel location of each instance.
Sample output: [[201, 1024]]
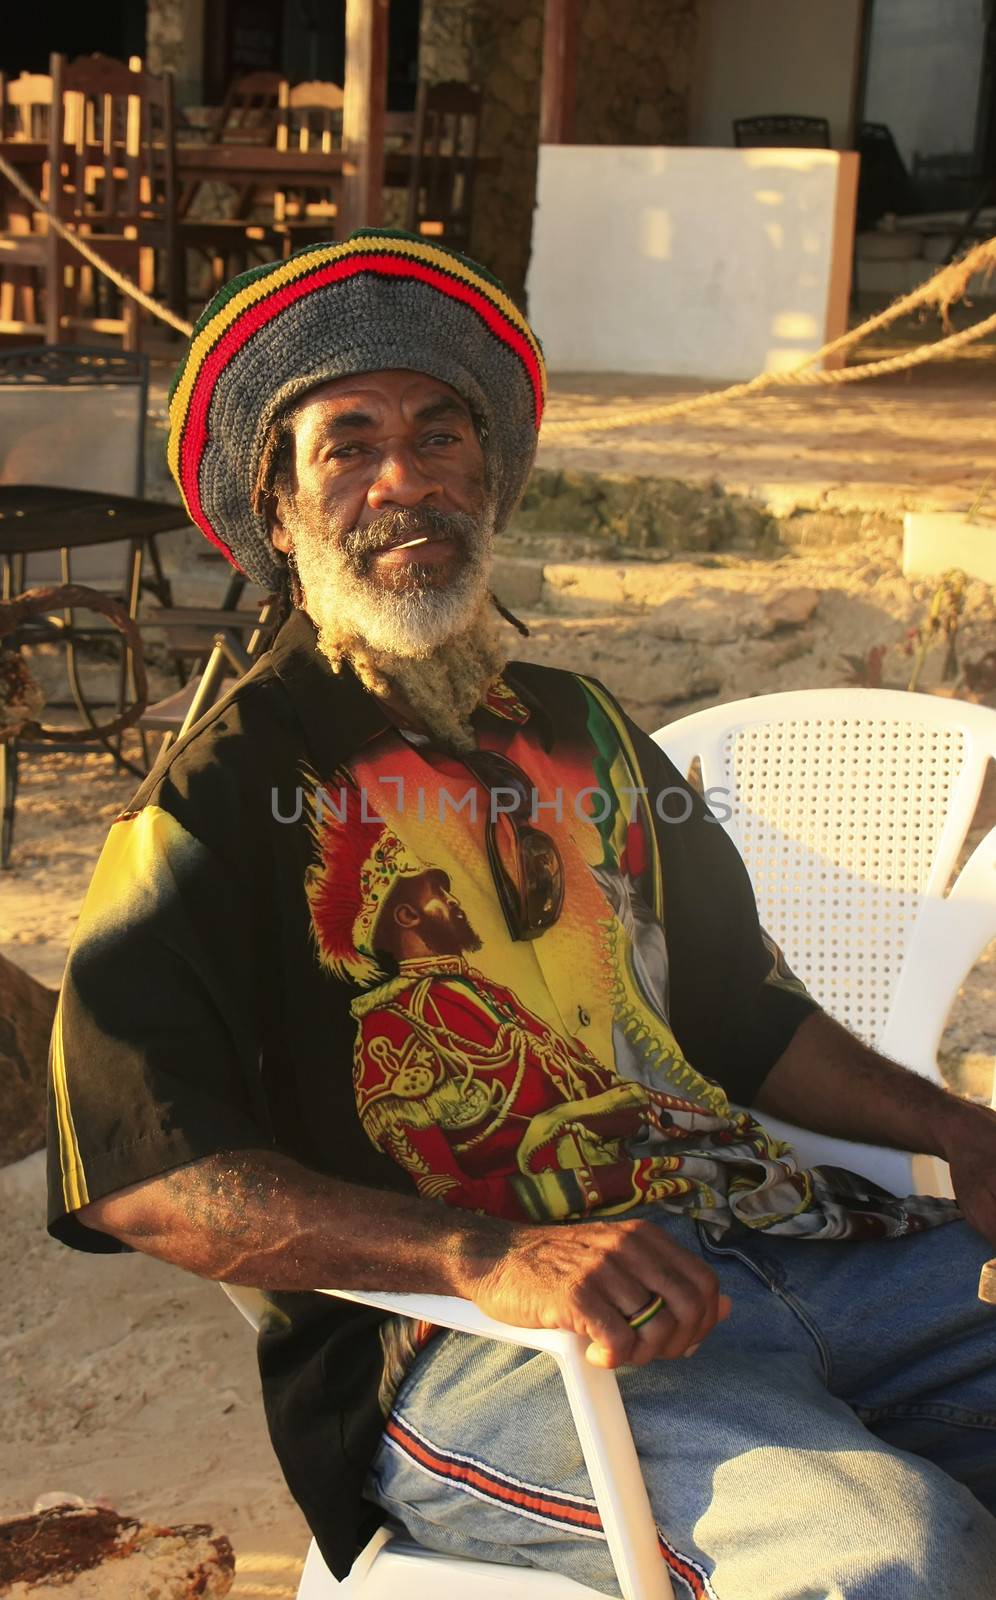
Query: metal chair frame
[[789, 129], [65, 366]]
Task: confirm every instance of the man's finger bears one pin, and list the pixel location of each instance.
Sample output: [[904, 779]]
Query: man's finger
[[691, 1298]]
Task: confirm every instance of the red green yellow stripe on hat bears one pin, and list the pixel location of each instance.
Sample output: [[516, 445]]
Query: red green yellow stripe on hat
[[254, 303]]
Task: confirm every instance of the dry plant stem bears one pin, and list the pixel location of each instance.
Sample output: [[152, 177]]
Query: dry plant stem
[[973, 509], [946, 606]]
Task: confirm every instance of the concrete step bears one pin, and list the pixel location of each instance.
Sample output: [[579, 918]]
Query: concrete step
[[684, 599]]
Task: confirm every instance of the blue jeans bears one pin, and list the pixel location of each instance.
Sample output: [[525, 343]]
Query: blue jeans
[[834, 1439]]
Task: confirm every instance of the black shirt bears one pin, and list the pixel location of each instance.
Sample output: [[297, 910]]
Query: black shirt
[[300, 938]]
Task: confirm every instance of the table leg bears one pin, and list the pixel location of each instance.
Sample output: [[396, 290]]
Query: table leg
[[8, 795]]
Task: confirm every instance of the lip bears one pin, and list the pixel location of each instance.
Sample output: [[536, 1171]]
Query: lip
[[419, 549]]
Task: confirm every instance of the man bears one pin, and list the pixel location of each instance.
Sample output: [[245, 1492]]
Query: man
[[549, 1131]]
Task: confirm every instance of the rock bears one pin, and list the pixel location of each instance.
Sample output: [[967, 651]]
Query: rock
[[92, 1553], [711, 617], [723, 607], [517, 581], [787, 608], [27, 1010], [583, 587]]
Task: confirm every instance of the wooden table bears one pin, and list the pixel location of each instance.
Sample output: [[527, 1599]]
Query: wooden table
[[241, 163]]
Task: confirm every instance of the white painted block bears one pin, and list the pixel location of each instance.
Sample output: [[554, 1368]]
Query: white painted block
[[936, 541], [705, 262]]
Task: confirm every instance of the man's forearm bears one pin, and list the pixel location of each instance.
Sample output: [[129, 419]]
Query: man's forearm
[[256, 1217], [830, 1082], [260, 1219]]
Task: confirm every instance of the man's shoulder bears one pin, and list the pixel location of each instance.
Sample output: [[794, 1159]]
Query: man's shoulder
[[219, 779], [554, 686], [252, 728], [556, 680]]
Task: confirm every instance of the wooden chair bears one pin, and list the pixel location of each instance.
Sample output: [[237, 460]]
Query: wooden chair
[[25, 106], [250, 111], [25, 114], [789, 130], [250, 114], [110, 177], [444, 159], [310, 121]]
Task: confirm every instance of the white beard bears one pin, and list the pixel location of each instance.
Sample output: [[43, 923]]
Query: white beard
[[350, 606], [439, 647]]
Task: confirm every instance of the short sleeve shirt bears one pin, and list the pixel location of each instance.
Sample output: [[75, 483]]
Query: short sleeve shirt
[[527, 981]]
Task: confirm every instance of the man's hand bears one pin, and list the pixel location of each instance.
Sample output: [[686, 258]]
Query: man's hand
[[968, 1137], [590, 1277]]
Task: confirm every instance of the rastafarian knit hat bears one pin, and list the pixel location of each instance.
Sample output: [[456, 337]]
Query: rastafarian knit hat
[[374, 301]]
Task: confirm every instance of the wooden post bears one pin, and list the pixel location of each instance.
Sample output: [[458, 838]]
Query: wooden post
[[364, 105], [560, 71]]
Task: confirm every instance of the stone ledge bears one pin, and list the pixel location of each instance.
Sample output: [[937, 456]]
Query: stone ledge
[[659, 515]]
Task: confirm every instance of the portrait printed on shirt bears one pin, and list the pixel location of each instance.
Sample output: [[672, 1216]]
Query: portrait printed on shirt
[[533, 1076]]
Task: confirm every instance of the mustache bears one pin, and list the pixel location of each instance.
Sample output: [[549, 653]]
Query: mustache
[[394, 527]]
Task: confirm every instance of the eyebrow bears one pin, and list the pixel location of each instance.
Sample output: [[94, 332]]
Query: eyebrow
[[445, 405], [349, 420]]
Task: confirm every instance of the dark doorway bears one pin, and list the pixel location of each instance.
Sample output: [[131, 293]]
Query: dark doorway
[[31, 33], [928, 80], [305, 39]]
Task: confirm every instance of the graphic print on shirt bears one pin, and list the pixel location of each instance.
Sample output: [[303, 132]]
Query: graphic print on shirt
[[532, 1078], [538, 1078]]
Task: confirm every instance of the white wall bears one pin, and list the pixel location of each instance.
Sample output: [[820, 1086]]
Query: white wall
[[761, 56], [713, 263]]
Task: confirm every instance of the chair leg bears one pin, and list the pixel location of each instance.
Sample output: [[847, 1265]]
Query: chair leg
[[132, 335], [159, 584], [8, 796], [54, 297]]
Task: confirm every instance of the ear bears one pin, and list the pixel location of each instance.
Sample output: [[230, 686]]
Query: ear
[[405, 915], [280, 536]]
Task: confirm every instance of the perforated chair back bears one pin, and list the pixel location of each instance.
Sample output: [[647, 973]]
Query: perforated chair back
[[75, 418], [850, 808]]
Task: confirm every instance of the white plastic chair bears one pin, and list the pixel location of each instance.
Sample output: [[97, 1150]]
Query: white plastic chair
[[392, 1565], [850, 808]]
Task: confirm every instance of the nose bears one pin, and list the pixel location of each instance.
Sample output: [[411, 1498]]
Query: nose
[[401, 481]]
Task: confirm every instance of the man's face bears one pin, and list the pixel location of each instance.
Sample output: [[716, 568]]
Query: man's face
[[428, 910], [387, 512]]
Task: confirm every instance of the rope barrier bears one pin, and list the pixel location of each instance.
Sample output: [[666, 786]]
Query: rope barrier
[[941, 291], [89, 254]]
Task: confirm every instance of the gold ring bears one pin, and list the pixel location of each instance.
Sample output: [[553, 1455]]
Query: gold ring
[[646, 1312]]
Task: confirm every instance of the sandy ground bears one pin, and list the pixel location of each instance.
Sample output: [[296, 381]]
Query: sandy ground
[[130, 1381], [920, 440]]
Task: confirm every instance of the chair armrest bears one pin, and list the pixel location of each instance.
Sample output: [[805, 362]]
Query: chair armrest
[[599, 1417], [211, 619]]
